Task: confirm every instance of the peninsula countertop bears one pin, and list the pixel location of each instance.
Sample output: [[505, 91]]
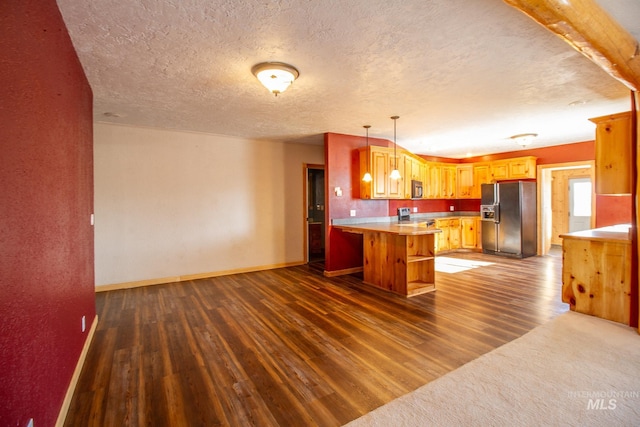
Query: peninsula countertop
[[614, 233], [412, 228]]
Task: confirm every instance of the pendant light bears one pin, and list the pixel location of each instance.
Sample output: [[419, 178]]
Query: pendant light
[[367, 175], [395, 173]]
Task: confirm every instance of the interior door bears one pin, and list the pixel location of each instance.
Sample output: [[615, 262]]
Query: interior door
[[579, 204], [315, 214]]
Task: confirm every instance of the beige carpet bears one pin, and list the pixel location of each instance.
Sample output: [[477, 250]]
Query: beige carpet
[[574, 370]]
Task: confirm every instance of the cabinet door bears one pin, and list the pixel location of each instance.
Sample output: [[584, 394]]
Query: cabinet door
[[481, 175], [380, 175], [613, 154], [448, 181], [454, 234], [464, 181], [442, 239], [469, 233], [499, 170], [396, 186], [434, 186], [522, 168]]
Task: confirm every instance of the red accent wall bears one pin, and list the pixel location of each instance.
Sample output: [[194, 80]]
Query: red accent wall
[[612, 210], [578, 152], [46, 240]]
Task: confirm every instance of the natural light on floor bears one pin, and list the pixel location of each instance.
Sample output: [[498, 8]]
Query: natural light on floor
[[454, 265]]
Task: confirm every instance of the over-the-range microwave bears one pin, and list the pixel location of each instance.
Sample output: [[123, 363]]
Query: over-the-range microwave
[[416, 189]]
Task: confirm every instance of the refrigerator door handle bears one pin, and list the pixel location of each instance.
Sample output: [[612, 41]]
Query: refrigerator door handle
[[496, 210]]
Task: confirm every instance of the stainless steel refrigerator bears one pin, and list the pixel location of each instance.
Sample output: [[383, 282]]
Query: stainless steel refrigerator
[[508, 217]]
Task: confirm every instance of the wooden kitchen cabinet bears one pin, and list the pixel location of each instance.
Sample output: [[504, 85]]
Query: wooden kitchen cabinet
[[448, 175], [454, 234], [469, 230], [516, 168], [464, 181], [434, 181], [439, 180], [397, 259], [442, 239], [396, 186], [381, 163], [613, 153], [413, 170], [596, 272], [450, 238], [499, 170], [481, 175], [522, 167]]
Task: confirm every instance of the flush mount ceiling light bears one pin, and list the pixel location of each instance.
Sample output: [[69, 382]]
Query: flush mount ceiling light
[[524, 139], [275, 76], [395, 173], [367, 175]]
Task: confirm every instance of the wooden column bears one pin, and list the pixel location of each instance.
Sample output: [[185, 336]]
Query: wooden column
[[590, 30]]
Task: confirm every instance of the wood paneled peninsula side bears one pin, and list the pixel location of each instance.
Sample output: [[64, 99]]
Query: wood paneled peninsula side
[[596, 272], [398, 257]]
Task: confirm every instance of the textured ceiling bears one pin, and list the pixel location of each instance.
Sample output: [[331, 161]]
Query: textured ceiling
[[463, 75]]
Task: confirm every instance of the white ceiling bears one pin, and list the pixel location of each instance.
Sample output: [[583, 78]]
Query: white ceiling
[[463, 75]]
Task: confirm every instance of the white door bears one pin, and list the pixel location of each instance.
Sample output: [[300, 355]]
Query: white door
[[579, 204]]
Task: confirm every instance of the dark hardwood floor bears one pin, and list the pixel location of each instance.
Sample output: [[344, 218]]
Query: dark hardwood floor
[[289, 347]]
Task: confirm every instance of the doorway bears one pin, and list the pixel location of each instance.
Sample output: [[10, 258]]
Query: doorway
[[315, 215], [579, 204], [558, 203]]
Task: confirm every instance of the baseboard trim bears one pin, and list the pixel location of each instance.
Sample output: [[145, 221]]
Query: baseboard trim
[[187, 277], [343, 272], [62, 415]]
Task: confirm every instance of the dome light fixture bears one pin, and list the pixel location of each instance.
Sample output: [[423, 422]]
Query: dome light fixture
[[275, 76], [367, 175], [395, 173], [524, 139]]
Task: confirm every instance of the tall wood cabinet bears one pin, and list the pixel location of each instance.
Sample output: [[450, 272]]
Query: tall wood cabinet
[[613, 153]]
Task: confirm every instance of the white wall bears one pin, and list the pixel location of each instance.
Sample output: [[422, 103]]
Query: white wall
[[179, 203]]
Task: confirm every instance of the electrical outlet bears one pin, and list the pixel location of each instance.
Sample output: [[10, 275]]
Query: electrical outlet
[[415, 209], [84, 323], [352, 212], [451, 208]]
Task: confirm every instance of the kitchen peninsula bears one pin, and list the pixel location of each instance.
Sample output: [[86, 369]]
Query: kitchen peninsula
[[596, 272], [398, 257]]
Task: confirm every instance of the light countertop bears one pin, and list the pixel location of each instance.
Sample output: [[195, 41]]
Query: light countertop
[[412, 228], [614, 233]]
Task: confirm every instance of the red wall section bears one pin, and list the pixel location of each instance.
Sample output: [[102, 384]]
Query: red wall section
[[46, 177], [612, 210], [565, 153], [344, 250]]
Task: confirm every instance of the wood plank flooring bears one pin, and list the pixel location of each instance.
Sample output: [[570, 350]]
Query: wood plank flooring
[[289, 347]]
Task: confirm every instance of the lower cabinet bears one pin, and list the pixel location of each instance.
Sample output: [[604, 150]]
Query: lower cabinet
[[469, 228], [457, 233]]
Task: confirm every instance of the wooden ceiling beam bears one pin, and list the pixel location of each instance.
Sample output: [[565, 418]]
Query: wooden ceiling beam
[[591, 31]]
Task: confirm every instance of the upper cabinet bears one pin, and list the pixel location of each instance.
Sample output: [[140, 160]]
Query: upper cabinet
[[613, 153], [380, 161], [439, 180], [414, 170], [465, 181], [516, 168], [481, 175], [448, 176]]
